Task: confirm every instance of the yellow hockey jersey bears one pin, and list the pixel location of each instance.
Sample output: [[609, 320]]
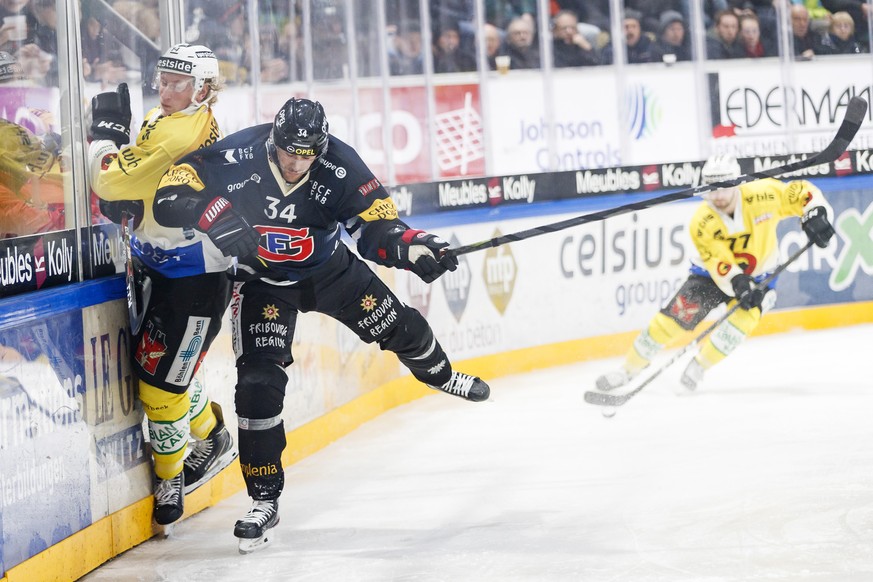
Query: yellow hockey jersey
[[134, 172], [746, 242]]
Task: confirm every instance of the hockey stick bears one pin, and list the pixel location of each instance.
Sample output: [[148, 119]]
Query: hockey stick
[[135, 311], [855, 113], [602, 399]]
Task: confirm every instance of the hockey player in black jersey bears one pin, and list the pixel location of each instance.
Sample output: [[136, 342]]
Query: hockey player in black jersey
[[275, 196]]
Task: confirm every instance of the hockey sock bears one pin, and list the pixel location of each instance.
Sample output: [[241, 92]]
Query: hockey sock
[[727, 336], [661, 332], [200, 414], [168, 428]]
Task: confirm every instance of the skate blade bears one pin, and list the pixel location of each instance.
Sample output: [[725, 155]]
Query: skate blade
[[223, 461], [166, 531], [249, 545]]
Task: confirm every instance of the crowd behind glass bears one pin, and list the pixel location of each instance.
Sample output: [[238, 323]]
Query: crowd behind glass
[[336, 40]]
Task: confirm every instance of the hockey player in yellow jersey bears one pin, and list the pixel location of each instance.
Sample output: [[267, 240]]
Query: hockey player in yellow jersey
[[190, 290], [734, 232]]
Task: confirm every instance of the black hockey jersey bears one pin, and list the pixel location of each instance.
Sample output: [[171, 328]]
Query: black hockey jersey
[[299, 223]]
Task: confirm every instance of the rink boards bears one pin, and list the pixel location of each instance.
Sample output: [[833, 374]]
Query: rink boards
[[75, 485]]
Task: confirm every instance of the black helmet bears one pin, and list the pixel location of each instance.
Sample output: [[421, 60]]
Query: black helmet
[[300, 128]]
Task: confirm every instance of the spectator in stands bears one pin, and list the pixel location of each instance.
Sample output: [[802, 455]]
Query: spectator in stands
[[224, 30], [45, 37], [493, 42], [501, 13], [520, 44], [461, 12], [859, 10], [290, 47], [274, 67], [101, 56], [840, 40], [31, 39], [448, 54], [672, 37], [640, 48], [569, 47], [407, 58], [723, 43], [45, 31], [805, 40], [651, 11], [710, 9], [142, 14], [765, 10], [594, 13], [329, 43], [750, 38], [819, 16], [17, 25]]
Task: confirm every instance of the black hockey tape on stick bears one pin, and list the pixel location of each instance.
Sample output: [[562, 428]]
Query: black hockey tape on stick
[[603, 399], [134, 312], [856, 110]]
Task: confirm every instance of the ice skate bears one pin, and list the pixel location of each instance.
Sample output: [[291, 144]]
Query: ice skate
[[692, 375], [253, 530], [208, 457], [466, 386], [169, 500], [613, 380]]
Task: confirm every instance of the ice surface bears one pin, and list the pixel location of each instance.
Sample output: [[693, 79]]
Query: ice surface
[[766, 473]]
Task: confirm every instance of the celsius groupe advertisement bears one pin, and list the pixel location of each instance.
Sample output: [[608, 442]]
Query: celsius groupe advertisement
[[611, 276]]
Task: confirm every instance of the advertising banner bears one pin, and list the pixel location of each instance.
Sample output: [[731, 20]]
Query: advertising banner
[[37, 262], [455, 141], [612, 276], [590, 116], [759, 111], [44, 440]]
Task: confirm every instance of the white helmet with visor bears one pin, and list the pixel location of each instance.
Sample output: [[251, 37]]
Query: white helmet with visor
[[193, 60]]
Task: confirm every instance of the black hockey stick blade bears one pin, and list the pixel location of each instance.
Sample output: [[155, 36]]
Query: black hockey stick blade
[[603, 399], [856, 111], [134, 312]]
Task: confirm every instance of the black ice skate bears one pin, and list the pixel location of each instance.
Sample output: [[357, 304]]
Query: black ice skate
[[208, 457], [169, 500], [253, 530], [466, 386]]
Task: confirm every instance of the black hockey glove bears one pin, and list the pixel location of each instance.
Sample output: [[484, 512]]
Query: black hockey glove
[[228, 229], [110, 116], [422, 253], [113, 209], [817, 227], [747, 293]]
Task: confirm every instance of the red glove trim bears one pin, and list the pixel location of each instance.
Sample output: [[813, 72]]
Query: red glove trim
[[409, 235], [215, 209]]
